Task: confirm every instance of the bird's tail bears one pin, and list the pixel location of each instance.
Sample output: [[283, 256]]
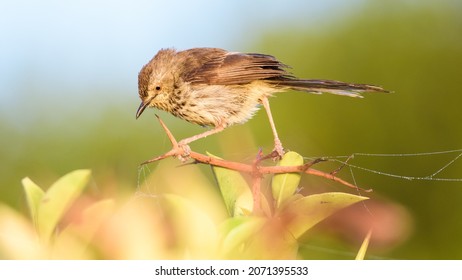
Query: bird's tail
[[327, 86]]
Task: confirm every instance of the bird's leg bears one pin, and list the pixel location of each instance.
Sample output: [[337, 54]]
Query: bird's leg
[[184, 143], [278, 149]]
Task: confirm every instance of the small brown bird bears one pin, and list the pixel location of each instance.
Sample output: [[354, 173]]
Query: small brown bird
[[214, 87]]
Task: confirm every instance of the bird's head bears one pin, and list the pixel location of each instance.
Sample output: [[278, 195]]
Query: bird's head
[[156, 82]]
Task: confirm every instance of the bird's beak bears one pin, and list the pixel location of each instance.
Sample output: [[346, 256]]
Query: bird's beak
[[141, 109]]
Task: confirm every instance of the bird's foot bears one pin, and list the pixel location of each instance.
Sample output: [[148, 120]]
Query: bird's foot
[[184, 151], [275, 155], [278, 151]]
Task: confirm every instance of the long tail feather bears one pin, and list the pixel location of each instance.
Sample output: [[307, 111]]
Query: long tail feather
[[327, 86]]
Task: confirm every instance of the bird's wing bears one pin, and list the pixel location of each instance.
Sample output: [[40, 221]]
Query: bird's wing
[[219, 67]]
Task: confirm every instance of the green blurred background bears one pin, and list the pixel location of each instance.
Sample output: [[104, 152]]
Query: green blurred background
[[70, 103]]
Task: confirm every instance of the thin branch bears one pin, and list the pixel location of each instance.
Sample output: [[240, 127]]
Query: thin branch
[[256, 193], [183, 153]]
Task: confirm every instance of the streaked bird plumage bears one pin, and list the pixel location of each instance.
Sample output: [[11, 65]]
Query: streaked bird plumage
[[214, 87]]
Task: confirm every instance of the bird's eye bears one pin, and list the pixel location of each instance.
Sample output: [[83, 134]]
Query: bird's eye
[[157, 87]]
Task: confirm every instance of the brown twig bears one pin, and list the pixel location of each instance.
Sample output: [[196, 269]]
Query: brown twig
[[257, 171], [256, 193]]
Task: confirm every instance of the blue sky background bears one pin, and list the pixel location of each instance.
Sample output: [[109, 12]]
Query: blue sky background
[[55, 54], [68, 94]]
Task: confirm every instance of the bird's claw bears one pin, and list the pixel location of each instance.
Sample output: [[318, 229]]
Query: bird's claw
[[278, 151], [277, 154], [185, 153]]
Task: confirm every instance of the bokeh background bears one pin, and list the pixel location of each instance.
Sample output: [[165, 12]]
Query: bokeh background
[[68, 96]]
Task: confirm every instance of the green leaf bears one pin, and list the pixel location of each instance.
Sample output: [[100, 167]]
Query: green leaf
[[57, 200], [306, 212], [362, 251], [284, 185], [234, 190], [237, 231], [34, 195]]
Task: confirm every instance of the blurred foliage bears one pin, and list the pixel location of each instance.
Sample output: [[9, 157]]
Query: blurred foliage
[[175, 226], [412, 48]]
